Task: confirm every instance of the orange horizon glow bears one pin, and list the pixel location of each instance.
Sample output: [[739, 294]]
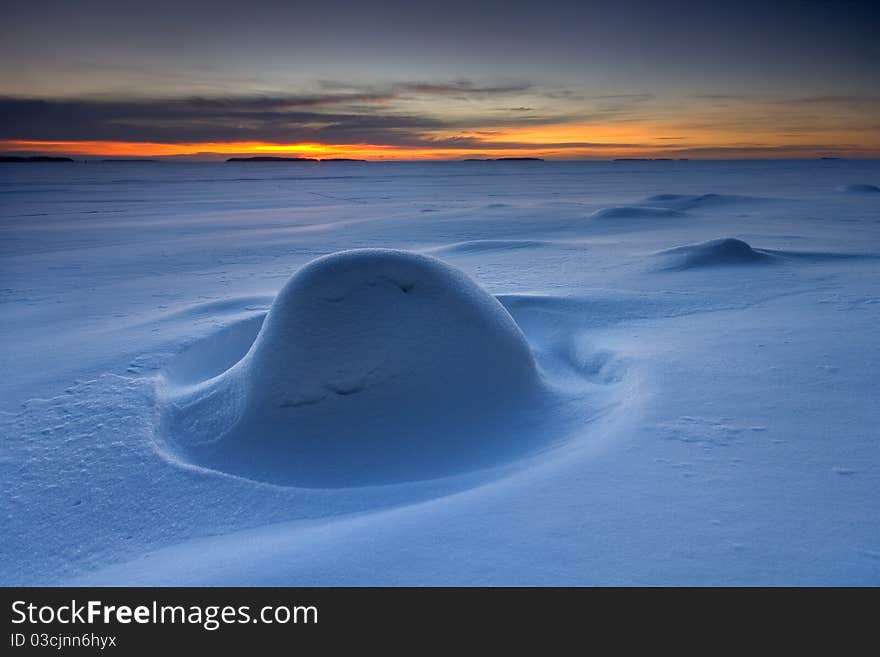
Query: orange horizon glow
[[541, 141], [304, 149]]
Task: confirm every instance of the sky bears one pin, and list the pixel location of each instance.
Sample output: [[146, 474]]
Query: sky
[[206, 79]]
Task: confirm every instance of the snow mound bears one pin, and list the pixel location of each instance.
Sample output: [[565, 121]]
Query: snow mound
[[372, 366], [860, 189], [635, 212], [725, 251], [482, 246], [700, 201]]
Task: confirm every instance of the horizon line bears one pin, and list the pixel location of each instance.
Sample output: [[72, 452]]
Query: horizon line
[[74, 159], [213, 151]]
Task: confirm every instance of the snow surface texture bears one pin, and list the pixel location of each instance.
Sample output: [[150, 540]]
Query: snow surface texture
[[615, 373]]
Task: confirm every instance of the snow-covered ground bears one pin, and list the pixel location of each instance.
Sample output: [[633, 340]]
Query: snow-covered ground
[[688, 395]]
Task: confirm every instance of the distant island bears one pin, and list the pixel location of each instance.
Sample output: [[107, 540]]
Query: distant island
[[504, 159], [273, 158], [649, 159], [33, 158]]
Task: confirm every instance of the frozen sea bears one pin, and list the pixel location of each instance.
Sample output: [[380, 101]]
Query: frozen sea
[[618, 373]]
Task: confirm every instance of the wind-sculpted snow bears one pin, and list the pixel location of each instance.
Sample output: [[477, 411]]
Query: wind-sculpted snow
[[372, 366], [710, 201], [481, 246], [861, 188], [635, 212], [714, 253]]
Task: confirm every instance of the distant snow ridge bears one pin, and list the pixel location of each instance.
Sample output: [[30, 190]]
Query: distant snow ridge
[[684, 199], [481, 246], [861, 189], [635, 212], [710, 201], [725, 251], [372, 366]]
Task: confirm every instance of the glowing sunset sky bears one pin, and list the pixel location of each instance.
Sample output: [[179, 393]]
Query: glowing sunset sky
[[414, 80]]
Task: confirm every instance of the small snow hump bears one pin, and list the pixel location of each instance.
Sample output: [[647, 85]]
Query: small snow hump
[[701, 202], [635, 212], [373, 366], [860, 188], [688, 200], [482, 246], [718, 252]]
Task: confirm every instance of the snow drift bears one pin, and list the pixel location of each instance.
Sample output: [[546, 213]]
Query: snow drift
[[861, 188], [635, 212], [482, 246], [710, 201], [372, 366], [713, 253]]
